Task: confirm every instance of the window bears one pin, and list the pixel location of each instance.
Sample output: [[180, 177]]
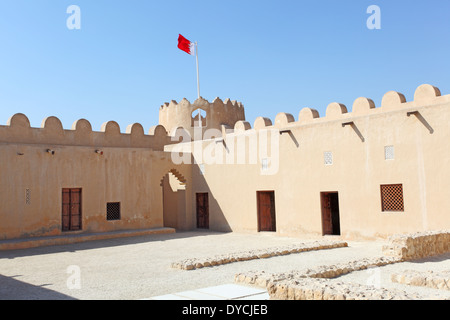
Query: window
[[392, 197], [389, 153], [265, 164], [27, 196], [196, 114], [328, 158], [113, 211]]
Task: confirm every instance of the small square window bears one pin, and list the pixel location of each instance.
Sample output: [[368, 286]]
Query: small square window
[[113, 211], [328, 158], [389, 153]]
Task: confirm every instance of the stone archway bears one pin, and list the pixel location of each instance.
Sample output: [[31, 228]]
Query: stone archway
[[173, 186]]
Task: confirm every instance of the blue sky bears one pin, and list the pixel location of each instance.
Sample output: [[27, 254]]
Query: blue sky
[[273, 56]]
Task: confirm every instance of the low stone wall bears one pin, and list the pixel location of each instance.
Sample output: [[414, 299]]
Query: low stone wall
[[16, 244], [430, 279], [195, 263], [326, 289], [418, 245], [319, 283], [262, 279]]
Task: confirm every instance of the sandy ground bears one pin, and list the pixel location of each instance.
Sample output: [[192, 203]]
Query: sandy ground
[[139, 267]]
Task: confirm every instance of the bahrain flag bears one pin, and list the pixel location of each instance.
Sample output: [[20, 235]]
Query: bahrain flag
[[185, 45]]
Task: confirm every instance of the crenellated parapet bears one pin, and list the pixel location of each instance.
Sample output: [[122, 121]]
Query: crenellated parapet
[[425, 95], [51, 132], [177, 121], [216, 114]]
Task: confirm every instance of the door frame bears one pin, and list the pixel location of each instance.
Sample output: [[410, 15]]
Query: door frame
[[206, 208], [328, 215], [273, 220], [70, 212]]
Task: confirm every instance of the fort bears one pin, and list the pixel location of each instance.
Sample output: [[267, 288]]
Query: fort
[[365, 174]]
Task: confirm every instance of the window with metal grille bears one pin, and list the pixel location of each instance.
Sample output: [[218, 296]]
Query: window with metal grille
[[27, 196], [389, 153], [113, 211], [328, 158], [392, 197]]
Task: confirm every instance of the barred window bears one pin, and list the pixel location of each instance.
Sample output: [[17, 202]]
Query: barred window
[[113, 211], [392, 197], [27, 196], [389, 153], [328, 158]]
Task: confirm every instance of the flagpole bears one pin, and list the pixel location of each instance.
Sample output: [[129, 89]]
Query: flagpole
[[198, 79], [198, 86]]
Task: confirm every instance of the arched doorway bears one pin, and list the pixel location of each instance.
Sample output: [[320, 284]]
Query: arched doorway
[[173, 186]]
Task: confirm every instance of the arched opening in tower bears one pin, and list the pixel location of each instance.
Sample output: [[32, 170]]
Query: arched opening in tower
[[195, 118]]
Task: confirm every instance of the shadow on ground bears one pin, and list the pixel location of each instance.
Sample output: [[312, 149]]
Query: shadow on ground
[[13, 289], [103, 243]]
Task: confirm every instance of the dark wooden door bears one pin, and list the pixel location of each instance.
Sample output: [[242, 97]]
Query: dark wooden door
[[330, 213], [335, 222], [202, 211], [71, 209], [266, 211], [327, 226]]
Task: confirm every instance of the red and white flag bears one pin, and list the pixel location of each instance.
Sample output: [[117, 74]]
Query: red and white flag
[[190, 48], [186, 45]]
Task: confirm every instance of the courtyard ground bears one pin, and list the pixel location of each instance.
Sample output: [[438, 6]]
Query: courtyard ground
[[140, 267]]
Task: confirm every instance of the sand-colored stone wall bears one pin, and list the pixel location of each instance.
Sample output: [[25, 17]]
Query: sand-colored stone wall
[[108, 166], [320, 283], [51, 132], [342, 152], [297, 172], [197, 263], [418, 245], [430, 279]]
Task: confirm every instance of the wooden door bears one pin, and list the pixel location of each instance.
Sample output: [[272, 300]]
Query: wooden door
[[327, 225], [330, 213], [202, 211], [266, 211], [71, 209], [335, 221]]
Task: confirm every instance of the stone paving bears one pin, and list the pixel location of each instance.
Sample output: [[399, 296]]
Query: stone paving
[[222, 292], [136, 268]]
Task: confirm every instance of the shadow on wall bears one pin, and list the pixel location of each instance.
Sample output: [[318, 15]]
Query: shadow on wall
[[206, 212], [12, 289], [215, 216]]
